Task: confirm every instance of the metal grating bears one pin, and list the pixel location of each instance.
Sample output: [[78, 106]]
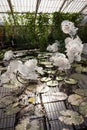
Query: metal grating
[[48, 122], [6, 122]]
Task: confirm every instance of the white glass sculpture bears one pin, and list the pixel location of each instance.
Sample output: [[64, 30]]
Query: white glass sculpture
[[73, 45], [61, 61], [69, 28], [53, 47], [8, 55], [74, 49]]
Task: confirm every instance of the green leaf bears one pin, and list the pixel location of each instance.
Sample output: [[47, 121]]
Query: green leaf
[[70, 81], [75, 99], [70, 117]]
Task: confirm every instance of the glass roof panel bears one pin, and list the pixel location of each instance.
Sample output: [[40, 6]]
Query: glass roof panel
[[49, 6], [4, 7], [73, 6], [24, 5], [84, 11], [45, 6]]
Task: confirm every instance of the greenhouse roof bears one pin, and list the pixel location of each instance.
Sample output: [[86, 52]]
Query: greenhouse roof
[[44, 6]]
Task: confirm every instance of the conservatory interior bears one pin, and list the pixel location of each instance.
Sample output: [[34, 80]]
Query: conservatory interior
[[43, 64]]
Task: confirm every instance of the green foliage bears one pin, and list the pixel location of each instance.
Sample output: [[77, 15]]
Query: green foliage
[[58, 17], [82, 32], [43, 26], [39, 32]]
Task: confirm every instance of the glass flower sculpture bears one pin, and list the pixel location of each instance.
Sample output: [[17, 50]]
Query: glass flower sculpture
[[61, 61], [53, 47], [8, 55], [74, 46], [69, 28], [28, 70]]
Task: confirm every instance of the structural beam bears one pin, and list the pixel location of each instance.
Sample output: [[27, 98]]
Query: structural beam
[[37, 7], [10, 5], [62, 5], [83, 8]]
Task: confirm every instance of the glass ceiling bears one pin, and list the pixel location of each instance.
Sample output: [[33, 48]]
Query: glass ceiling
[[44, 6]]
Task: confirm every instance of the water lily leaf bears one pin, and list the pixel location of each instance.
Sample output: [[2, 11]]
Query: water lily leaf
[[45, 63], [70, 81], [84, 69], [28, 110], [70, 117], [43, 88], [7, 100], [45, 79], [39, 111], [52, 83], [75, 99], [82, 92], [24, 124], [12, 110], [75, 65], [31, 100], [79, 69], [48, 66], [9, 86], [50, 72], [35, 125], [83, 108], [15, 104], [59, 78]]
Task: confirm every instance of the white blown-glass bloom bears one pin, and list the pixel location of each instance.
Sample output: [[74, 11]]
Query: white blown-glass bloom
[[32, 65], [13, 66], [26, 72], [8, 55], [29, 68], [68, 27], [74, 49], [61, 61], [4, 78], [53, 47], [9, 74]]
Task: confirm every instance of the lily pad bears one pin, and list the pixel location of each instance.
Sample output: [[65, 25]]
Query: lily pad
[[12, 110], [59, 78], [39, 111], [82, 92], [45, 79], [9, 86], [24, 124], [70, 117], [48, 66], [70, 81], [7, 100], [84, 69], [83, 108], [52, 83], [43, 88], [75, 99], [50, 72], [45, 63]]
